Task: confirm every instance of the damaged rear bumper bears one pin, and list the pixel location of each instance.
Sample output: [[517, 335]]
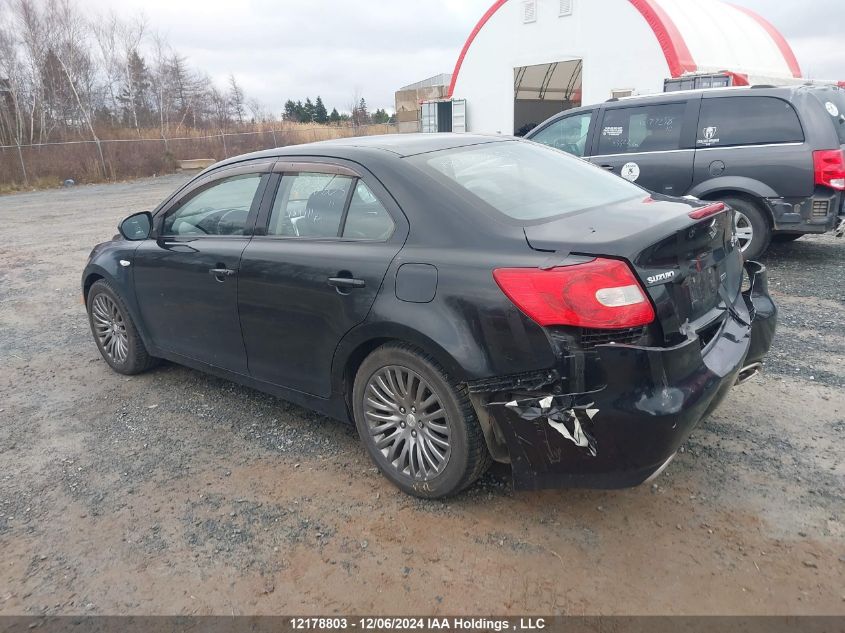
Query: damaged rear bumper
[[636, 405]]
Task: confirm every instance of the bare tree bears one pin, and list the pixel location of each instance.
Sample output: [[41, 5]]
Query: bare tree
[[130, 35], [236, 100], [259, 113], [106, 36], [71, 55]]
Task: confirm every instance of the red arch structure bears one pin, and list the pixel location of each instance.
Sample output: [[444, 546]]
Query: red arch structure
[[670, 38]]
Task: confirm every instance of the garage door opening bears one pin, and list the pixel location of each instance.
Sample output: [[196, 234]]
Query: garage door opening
[[543, 90]]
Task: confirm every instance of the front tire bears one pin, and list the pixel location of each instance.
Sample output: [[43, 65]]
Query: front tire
[[114, 331], [417, 423], [752, 227]]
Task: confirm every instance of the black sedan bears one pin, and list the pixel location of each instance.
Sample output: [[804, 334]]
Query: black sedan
[[461, 298]]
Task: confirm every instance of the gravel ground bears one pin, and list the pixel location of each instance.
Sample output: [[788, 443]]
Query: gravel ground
[[178, 493]]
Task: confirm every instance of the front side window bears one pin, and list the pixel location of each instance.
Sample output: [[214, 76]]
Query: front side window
[[732, 121], [309, 205], [568, 134], [221, 209], [367, 219], [649, 128], [527, 181]]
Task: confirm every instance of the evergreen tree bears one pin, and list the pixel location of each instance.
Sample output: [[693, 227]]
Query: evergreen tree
[[308, 111], [381, 116], [334, 117], [360, 116], [290, 113], [320, 114]]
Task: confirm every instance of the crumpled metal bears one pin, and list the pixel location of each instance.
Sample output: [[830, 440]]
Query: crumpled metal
[[571, 421]]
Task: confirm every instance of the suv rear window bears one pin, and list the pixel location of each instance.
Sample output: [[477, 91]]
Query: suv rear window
[[649, 128], [527, 181], [834, 104], [731, 121]]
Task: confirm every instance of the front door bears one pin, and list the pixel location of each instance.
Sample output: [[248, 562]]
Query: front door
[[186, 278], [650, 145], [315, 274]]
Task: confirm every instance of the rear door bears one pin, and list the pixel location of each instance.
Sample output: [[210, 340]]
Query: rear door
[[313, 270], [649, 144], [759, 138]]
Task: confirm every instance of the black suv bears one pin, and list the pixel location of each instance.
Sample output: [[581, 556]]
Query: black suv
[[776, 155]]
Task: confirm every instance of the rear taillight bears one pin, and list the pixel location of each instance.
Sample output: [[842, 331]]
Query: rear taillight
[[602, 293], [708, 211], [829, 166]]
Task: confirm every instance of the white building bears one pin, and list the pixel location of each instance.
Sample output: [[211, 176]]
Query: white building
[[529, 59]]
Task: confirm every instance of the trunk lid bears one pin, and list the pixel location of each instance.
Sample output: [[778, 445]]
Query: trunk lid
[[688, 267]]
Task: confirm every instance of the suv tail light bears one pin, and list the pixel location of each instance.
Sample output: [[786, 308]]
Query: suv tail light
[[829, 166], [601, 294]]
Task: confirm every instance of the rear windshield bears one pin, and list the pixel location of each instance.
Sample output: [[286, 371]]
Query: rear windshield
[[834, 103], [527, 181]]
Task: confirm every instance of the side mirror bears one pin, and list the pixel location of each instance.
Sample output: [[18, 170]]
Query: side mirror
[[136, 227]]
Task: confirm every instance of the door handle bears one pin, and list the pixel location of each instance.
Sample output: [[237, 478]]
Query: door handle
[[346, 282], [221, 272], [607, 167]]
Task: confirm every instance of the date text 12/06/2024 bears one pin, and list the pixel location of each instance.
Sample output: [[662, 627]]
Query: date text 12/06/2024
[[418, 624]]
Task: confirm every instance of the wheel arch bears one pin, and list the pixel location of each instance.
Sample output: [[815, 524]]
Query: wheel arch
[[361, 342], [90, 279], [751, 198], [749, 189], [123, 286]]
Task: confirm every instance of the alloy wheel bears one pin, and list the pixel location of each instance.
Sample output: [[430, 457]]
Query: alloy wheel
[[743, 229], [110, 328], [407, 422]]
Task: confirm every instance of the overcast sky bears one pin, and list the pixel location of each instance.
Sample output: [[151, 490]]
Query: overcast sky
[[285, 49]]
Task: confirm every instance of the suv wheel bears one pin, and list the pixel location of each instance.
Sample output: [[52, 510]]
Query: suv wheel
[[752, 227], [115, 333], [417, 423]]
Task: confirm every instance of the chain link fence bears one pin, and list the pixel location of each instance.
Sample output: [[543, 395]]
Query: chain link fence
[[117, 159]]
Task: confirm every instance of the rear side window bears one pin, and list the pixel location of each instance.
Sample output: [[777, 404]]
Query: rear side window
[[834, 104], [366, 218], [732, 121], [325, 206], [309, 205], [650, 128]]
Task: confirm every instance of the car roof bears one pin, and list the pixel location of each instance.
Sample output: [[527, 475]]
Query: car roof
[[400, 145], [790, 93], [730, 91]]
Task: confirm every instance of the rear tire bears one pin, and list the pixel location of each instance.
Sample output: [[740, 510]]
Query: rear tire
[[752, 222], [429, 450], [115, 333]]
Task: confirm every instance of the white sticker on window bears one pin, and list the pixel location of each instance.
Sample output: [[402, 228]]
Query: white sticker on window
[[831, 107], [710, 136], [612, 130], [631, 171]]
